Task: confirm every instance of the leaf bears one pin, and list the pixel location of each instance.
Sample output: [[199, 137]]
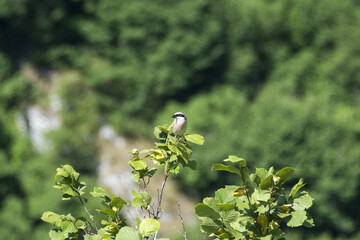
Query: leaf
[[138, 165], [128, 233], [285, 174], [137, 202], [263, 221], [297, 218], [211, 226], [262, 173], [309, 222], [302, 202], [267, 182], [235, 159], [261, 195], [51, 217], [147, 197], [68, 190], [99, 192], [57, 235], [225, 195], [296, 188], [195, 138], [203, 210], [68, 227], [230, 216], [174, 149], [148, 227], [118, 202], [222, 167], [79, 224]]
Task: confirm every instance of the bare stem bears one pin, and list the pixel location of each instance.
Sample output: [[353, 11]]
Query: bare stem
[[160, 197], [87, 211], [182, 221]]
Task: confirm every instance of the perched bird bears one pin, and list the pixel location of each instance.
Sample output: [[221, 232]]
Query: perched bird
[[179, 124]]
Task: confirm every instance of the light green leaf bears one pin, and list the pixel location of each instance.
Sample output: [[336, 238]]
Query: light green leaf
[[68, 227], [261, 195], [99, 192], [309, 222], [137, 202], [51, 217], [148, 227], [285, 174], [128, 233], [203, 210], [138, 165], [146, 196], [79, 224], [175, 150], [230, 216], [262, 173], [297, 218], [302, 202], [296, 188], [235, 159], [225, 195], [195, 138], [228, 168], [57, 235]]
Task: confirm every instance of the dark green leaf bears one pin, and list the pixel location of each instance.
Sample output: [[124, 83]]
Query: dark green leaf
[[203, 210]]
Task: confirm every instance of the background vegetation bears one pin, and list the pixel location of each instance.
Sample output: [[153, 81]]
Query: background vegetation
[[276, 82]]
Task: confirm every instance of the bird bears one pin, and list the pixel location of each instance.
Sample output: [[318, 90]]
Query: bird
[[179, 124]]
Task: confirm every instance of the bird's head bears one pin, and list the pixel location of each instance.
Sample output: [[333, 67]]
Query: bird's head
[[179, 114]]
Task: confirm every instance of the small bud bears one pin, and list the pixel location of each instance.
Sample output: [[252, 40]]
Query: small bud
[[135, 151]]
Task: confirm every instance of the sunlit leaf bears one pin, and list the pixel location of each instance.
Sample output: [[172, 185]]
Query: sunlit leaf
[[195, 138]]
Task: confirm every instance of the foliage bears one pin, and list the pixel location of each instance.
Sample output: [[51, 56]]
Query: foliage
[[258, 208], [170, 152]]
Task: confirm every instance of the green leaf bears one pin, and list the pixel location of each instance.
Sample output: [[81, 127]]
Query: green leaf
[[138, 202], [51, 217], [263, 221], [228, 168], [302, 202], [225, 195], [309, 222], [57, 235], [68, 190], [262, 173], [297, 218], [79, 224], [230, 216], [99, 192], [148, 227], [68, 227], [195, 138], [285, 174], [203, 210], [261, 195], [174, 149], [146, 196], [296, 188], [128, 233], [235, 159], [161, 133], [267, 182], [138, 165], [118, 202], [211, 226]]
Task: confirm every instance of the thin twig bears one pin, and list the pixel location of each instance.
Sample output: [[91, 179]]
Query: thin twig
[[87, 211], [158, 210], [182, 221]]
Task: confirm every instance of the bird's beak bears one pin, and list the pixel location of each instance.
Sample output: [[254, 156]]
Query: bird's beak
[[174, 116]]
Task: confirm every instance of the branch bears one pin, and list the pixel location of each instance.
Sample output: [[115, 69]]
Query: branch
[[87, 211], [182, 221]]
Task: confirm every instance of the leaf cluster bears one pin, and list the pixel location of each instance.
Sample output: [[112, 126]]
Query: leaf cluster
[[258, 208]]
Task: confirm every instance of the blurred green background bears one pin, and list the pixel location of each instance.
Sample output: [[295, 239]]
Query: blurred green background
[[274, 81]]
